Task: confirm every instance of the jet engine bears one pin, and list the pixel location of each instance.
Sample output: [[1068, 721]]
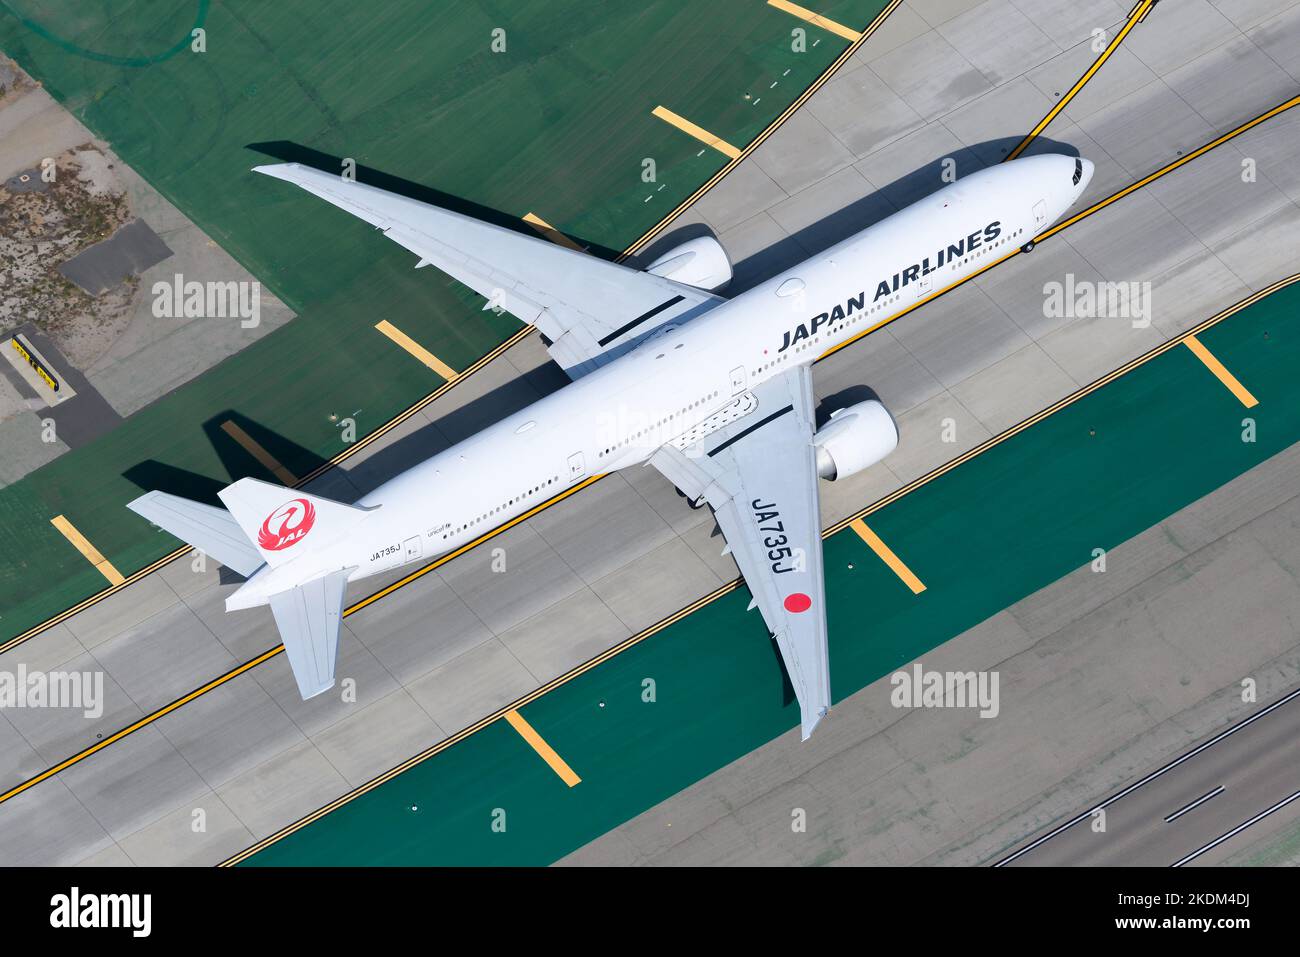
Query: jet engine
[[854, 439], [699, 262]]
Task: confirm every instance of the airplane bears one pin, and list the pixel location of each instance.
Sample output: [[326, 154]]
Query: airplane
[[715, 393]]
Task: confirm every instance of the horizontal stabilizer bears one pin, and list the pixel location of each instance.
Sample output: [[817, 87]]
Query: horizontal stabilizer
[[211, 530], [308, 617], [277, 519]]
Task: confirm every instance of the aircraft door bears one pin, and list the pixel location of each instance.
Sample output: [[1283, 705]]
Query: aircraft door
[[577, 466], [1040, 212], [413, 548], [737, 380]]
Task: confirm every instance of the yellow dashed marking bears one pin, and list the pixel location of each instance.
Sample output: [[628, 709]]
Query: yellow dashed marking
[[417, 350], [816, 19], [90, 552], [264, 458], [887, 556], [701, 134], [539, 745], [1220, 371]]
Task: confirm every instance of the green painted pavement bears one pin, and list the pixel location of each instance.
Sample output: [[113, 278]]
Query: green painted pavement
[[557, 125], [982, 536]]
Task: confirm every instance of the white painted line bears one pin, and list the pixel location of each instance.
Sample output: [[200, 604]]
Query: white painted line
[[1148, 779], [1236, 830], [1170, 818]]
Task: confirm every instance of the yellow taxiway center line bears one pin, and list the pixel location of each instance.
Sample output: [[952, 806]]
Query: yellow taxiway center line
[[1137, 15], [887, 556], [816, 20], [91, 553], [417, 350], [1221, 372], [701, 134], [550, 232], [264, 458], [1170, 167], [544, 750], [141, 723]]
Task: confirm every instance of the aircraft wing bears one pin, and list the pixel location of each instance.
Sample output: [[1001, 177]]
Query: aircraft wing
[[759, 474], [308, 617], [588, 309]]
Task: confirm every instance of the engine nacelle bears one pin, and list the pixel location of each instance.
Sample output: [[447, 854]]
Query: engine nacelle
[[854, 439], [699, 262]]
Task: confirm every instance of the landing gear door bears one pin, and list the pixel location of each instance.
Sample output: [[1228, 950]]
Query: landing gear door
[[737, 380], [577, 466]]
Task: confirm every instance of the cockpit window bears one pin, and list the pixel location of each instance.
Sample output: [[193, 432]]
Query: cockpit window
[[1078, 170]]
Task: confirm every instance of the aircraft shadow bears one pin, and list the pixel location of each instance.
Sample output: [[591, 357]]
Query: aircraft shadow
[[858, 215], [289, 152]]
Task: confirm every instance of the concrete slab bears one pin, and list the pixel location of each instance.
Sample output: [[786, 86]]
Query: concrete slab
[[565, 635], [1071, 22], [1275, 38], [189, 836], [861, 109], [998, 40], [938, 334], [679, 574], [1245, 14], [1030, 374], [1260, 83], [155, 780], [808, 151], [295, 783], [428, 629], [1147, 129], [352, 747], [30, 841], [930, 76], [476, 684]]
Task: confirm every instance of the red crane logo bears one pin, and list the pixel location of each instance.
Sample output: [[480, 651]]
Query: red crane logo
[[286, 525]]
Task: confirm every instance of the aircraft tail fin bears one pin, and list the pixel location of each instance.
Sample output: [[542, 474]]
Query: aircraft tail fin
[[211, 530], [276, 519]]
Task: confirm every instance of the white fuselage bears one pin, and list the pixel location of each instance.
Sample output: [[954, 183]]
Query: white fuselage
[[679, 379]]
